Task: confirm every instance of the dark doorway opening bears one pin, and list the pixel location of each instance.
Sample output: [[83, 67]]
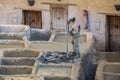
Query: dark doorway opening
[[113, 33]]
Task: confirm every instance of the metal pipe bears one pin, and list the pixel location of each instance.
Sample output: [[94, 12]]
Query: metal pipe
[[67, 36]]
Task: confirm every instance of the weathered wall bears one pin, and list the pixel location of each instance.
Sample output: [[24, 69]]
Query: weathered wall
[[11, 13]]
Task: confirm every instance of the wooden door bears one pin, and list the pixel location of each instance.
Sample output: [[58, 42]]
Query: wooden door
[[58, 17], [114, 33], [33, 19]]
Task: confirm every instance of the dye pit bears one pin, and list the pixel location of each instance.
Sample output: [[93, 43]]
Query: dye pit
[[58, 57]]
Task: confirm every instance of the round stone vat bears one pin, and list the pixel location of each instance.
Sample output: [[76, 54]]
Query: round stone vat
[[18, 61], [13, 70], [20, 53]]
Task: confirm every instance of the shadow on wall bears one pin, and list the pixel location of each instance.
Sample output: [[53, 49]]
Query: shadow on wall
[[39, 35]]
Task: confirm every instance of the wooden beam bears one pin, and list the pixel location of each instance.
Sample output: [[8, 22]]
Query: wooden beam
[[32, 9], [114, 13], [59, 3]]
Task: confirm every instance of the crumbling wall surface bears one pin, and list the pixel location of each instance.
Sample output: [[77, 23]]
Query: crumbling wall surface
[[14, 32], [39, 35]]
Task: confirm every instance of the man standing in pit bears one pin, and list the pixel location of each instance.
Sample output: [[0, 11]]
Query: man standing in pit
[[75, 34]]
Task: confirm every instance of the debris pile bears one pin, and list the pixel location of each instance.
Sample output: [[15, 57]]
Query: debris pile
[[58, 57]]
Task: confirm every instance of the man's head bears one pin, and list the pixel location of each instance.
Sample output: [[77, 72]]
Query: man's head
[[73, 19]]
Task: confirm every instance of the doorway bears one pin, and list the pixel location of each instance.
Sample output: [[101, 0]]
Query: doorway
[[113, 30], [32, 18], [59, 16]]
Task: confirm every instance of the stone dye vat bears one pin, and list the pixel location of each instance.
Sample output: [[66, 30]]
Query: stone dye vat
[[64, 71], [112, 68], [68, 70], [14, 32], [18, 64], [54, 70], [14, 36], [14, 70], [109, 56], [54, 44], [11, 44], [108, 71], [61, 37], [39, 35], [56, 78], [20, 53], [61, 70], [17, 61], [21, 78]]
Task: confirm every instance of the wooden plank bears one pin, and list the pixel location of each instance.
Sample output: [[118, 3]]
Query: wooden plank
[[110, 14], [59, 3], [29, 9]]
